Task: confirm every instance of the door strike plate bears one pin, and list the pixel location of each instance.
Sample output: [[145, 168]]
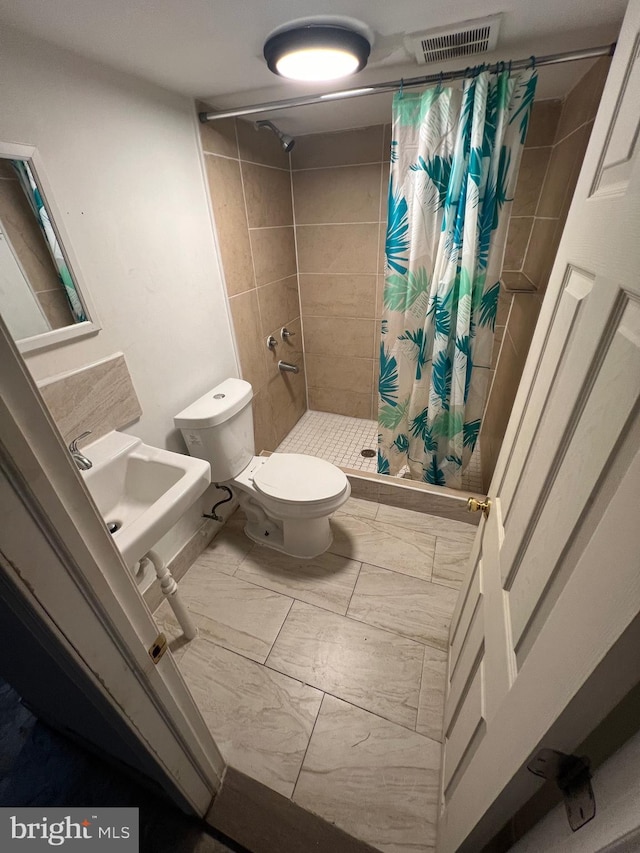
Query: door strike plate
[[158, 648], [573, 777]]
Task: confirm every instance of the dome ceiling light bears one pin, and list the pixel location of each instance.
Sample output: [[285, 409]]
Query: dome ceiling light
[[316, 52]]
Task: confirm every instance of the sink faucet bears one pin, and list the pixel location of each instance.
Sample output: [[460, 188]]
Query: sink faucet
[[79, 458]]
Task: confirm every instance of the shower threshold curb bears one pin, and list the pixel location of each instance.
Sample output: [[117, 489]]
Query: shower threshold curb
[[409, 494]]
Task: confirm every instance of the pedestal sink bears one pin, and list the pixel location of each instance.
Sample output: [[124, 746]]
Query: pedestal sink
[[141, 492]]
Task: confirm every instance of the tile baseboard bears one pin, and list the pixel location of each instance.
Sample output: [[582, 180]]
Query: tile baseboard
[[186, 556]]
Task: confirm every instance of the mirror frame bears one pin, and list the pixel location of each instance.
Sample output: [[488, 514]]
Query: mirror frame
[[15, 151]]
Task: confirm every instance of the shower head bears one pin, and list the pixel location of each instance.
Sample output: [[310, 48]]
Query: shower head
[[286, 141]]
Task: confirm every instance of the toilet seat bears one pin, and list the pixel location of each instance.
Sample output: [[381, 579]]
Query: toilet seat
[[296, 478]]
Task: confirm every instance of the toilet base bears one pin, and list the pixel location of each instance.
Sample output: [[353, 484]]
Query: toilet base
[[304, 538]]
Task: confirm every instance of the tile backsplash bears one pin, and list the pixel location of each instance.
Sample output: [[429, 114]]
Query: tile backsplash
[[99, 397]]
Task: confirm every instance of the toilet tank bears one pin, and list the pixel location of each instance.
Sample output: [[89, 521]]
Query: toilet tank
[[218, 427]]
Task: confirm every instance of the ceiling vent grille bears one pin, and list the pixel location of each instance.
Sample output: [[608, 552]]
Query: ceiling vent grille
[[468, 38]]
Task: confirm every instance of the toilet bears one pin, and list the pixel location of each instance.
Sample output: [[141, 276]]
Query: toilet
[[287, 497]]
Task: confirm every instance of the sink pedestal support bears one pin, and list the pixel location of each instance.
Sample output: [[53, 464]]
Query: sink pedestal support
[[170, 588]]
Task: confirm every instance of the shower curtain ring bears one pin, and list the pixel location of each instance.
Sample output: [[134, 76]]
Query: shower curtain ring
[[401, 90], [533, 61]]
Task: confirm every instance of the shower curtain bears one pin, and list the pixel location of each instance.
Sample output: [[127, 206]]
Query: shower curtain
[[455, 156], [30, 187]]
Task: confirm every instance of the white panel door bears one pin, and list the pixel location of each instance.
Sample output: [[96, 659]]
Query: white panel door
[[66, 582], [543, 638]]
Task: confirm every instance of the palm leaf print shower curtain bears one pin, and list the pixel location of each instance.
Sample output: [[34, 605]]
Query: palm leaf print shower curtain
[[455, 156]]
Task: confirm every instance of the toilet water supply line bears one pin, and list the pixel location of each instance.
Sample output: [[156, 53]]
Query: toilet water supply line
[[213, 514], [170, 589]]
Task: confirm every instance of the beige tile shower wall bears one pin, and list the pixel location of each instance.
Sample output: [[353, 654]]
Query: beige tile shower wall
[[339, 193], [551, 162], [533, 168], [525, 226], [510, 353], [250, 187]]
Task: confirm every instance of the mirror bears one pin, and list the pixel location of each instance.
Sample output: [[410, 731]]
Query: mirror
[[40, 296]]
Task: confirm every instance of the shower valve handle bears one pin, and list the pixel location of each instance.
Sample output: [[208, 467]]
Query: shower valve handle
[[285, 333]]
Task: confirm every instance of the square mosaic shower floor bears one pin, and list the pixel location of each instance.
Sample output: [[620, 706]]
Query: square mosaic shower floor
[[340, 439]]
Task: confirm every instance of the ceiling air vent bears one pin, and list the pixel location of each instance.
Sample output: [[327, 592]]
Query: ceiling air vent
[[467, 38]]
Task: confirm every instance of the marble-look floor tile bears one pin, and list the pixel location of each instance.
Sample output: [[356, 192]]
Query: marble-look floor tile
[[451, 561], [376, 780], [359, 507], [386, 545], [432, 690], [264, 821], [261, 720], [222, 556], [364, 665], [240, 616], [327, 580], [405, 605], [230, 546], [425, 523]]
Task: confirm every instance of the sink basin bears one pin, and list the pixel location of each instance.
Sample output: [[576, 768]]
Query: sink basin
[[141, 491]]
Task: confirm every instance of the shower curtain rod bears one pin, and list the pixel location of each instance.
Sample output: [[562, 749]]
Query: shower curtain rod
[[409, 83]]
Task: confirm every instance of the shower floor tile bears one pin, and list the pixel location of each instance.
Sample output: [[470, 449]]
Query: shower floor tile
[[339, 439], [336, 438]]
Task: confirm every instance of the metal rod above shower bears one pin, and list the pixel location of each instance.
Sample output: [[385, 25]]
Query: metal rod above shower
[[408, 83]]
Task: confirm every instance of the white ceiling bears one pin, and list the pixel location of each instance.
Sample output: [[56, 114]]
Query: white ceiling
[[213, 48]]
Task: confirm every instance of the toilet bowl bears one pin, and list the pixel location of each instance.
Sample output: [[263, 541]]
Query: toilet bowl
[[287, 497]]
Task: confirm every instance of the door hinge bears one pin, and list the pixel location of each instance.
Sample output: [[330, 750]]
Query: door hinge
[[158, 648], [573, 777]]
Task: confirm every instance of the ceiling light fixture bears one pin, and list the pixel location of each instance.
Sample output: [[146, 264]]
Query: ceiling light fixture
[[316, 52]]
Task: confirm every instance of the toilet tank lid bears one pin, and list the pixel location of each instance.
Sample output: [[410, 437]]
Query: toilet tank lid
[[216, 406]]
